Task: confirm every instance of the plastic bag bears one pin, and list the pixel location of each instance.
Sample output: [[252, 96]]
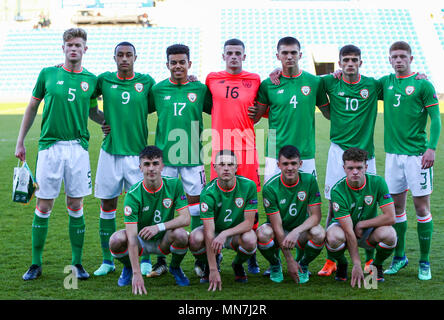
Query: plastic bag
[[24, 184]]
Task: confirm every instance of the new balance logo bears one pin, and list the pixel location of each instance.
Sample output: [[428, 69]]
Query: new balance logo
[[114, 86], [341, 94], [60, 82], [280, 91], [167, 98]]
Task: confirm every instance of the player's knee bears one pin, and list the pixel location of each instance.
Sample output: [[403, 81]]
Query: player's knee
[[197, 239], [44, 205], [180, 236], [118, 241], [335, 239], [74, 203], [389, 235], [317, 234], [264, 233], [249, 240]]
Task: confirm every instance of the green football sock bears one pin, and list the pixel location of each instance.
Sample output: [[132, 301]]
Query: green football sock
[[39, 232], [177, 255], [106, 228], [425, 230], [369, 254], [382, 252], [77, 235], [401, 231], [310, 253], [339, 255], [125, 260], [270, 253], [299, 254], [241, 256], [201, 256]]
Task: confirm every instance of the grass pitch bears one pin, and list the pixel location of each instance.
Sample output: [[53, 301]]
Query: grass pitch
[[15, 237]]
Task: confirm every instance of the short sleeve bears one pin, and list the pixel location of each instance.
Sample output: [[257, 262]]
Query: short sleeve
[[207, 206], [180, 199], [39, 88], [131, 209], [339, 206], [251, 199], [269, 199]]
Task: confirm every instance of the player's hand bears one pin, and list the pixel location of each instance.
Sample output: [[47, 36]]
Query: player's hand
[[148, 232], [20, 152], [138, 284], [358, 230], [428, 159], [337, 74], [252, 112], [275, 75], [291, 239], [106, 129], [293, 269], [215, 281], [192, 78], [357, 276], [218, 243], [421, 76]]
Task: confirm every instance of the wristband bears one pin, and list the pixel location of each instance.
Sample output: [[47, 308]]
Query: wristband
[[161, 226]]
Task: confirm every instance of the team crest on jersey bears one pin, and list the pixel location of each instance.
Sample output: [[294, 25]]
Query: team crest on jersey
[[409, 90], [192, 96], [335, 207], [306, 90], [364, 93], [368, 200], [239, 202], [127, 211], [203, 207], [139, 87], [302, 195], [167, 202], [266, 203], [84, 85], [247, 83]]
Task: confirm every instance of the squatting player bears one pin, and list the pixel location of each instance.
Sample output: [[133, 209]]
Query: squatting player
[[125, 106], [179, 104], [355, 201], [292, 202], [409, 155], [63, 146], [234, 93], [150, 224], [228, 208]]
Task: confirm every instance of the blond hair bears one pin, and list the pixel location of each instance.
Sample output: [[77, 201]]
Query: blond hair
[[74, 33]]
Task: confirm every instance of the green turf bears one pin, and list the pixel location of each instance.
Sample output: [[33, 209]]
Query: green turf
[[15, 237]]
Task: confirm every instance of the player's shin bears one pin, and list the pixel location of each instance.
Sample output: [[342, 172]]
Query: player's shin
[[39, 232], [269, 251], [383, 251], [107, 226], [425, 230], [76, 234], [311, 251], [400, 227]]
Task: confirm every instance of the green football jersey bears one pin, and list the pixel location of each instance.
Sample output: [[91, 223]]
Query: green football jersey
[[179, 109], [147, 208], [407, 102], [359, 204], [125, 106], [353, 111], [291, 202], [227, 207], [67, 98], [291, 118]]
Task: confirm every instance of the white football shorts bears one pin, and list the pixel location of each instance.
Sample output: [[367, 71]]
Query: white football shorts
[[193, 178], [115, 174], [65, 161], [403, 172], [271, 167], [335, 168]]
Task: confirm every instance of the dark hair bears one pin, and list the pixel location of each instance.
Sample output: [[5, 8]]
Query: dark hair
[[225, 152], [288, 41], [234, 42], [349, 49], [355, 154], [178, 49], [400, 45], [125, 43], [289, 152], [151, 152]]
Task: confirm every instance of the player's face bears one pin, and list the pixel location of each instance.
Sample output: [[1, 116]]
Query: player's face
[[74, 49], [400, 61], [350, 64], [225, 167], [233, 56], [151, 168], [125, 58], [289, 168], [289, 55], [178, 65], [355, 172]]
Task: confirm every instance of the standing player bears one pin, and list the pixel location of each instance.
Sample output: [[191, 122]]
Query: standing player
[[234, 91], [292, 203], [125, 105], [63, 146], [179, 104], [228, 208], [410, 156], [355, 201], [291, 107], [150, 224]]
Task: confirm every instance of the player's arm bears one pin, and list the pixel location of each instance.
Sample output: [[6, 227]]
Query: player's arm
[[257, 111], [133, 251], [428, 159], [387, 218], [27, 121], [292, 265], [313, 220], [214, 277], [182, 220], [352, 245], [95, 114]]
